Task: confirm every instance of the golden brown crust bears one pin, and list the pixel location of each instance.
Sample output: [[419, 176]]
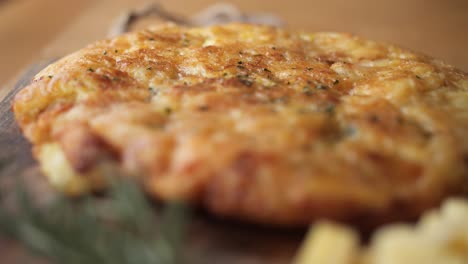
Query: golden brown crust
[[260, 123]]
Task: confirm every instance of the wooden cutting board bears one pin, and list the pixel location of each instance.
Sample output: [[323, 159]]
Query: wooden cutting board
[[16, 150], [210, 240]]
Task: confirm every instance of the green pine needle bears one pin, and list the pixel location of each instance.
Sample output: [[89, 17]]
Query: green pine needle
[[124, 228]]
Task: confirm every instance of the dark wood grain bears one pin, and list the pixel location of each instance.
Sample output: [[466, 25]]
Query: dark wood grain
[[14, 148], [210, 240], [15, 154]]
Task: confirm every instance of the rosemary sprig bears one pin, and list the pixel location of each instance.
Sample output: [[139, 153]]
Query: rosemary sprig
[[117, 230]]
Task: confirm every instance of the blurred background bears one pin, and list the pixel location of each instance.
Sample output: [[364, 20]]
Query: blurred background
[[32, 30]]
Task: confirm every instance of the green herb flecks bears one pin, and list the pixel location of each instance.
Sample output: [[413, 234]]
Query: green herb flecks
[[245, 79], [185, 42], [330, 109], [153, 91], [281, 100], [240, 65], [350, 131], [307, 90], [321, 86]]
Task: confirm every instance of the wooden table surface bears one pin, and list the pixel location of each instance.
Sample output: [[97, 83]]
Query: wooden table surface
[[31, 30]]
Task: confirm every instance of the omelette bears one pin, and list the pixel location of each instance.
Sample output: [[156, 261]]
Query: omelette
[[254, 123]]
